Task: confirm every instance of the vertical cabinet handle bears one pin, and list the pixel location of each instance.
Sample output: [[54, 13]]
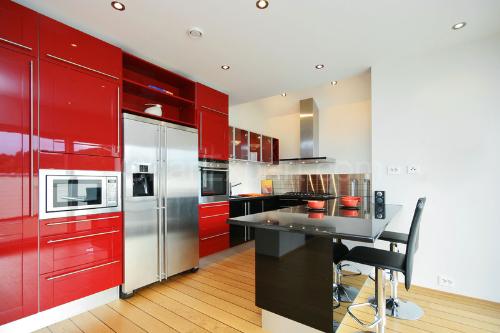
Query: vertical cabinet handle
[[118, 121], [32, 172], [201, 131]]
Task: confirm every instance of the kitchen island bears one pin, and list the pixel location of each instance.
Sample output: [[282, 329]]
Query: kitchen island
[[294, 259]]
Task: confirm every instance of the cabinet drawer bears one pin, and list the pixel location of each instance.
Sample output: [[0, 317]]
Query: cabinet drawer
[[211, 99], [213, 225], [83, 223], [213, 209], [57, 289], [68, 251], [18, 27], [214, 244], [61, 43]]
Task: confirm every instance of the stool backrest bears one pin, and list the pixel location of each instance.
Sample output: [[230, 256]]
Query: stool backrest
[[412, 246]]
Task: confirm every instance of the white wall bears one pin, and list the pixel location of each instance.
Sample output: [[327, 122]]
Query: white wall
[[344, 130], [442, 112]]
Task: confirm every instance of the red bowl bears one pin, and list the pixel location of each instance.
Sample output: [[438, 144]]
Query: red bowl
[[316, 215], [350, 201], [316, 204], [349, 212]]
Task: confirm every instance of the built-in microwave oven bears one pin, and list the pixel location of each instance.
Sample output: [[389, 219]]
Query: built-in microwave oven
[[214, 181], [78, 192]]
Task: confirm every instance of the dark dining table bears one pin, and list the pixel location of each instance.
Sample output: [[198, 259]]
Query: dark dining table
[[294, 255]]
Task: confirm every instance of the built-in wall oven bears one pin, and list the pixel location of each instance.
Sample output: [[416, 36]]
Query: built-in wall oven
[[78, 192], [214, 181]]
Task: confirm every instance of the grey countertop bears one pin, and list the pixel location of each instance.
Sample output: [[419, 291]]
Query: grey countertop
[[334, 222]]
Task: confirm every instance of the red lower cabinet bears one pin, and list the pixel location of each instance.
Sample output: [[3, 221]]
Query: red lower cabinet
[[79, 256], [214, 230], [57, 289]]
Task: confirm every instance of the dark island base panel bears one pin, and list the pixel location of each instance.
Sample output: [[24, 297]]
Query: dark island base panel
[[294, 277]]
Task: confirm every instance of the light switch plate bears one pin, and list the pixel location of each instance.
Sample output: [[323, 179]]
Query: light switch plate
[[393, 170], [413, 169]]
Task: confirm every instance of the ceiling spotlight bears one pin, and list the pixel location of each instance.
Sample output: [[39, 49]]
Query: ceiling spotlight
[[333, 83], [118, 5], [262, 4], [225, 67], [283, 94], [320, 66], [195, 32], [459, 25]]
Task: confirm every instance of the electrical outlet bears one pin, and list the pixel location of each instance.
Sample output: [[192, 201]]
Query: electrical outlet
[[444, 281], [413, 169], [393, 170]]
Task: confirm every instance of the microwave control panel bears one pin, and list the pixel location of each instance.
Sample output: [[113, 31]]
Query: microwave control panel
[[112, 191]]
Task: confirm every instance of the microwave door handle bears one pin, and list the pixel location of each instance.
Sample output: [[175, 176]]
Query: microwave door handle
[[73, 199], [210, 169]]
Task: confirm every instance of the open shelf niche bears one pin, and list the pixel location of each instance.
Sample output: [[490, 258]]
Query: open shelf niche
[[146, 83]]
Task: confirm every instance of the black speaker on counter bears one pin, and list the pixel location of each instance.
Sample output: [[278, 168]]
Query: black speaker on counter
[[380, 204]]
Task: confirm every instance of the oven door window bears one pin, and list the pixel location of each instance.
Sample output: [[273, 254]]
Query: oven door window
[[76, 193], [213, 183]]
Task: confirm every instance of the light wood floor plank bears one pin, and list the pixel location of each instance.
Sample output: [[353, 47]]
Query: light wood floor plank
[[88, 323], [115, 321], [65, 326]]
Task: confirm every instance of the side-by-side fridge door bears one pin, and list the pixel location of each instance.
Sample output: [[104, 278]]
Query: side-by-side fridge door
[[141, 204]]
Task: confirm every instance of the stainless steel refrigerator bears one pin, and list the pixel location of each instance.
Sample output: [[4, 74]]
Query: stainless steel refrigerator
[[160, 201]]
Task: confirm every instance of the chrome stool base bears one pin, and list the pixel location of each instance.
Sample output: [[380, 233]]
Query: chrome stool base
[[344, 293], [401, 309]]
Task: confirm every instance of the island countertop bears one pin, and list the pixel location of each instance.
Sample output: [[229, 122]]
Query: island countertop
[[335, 222]]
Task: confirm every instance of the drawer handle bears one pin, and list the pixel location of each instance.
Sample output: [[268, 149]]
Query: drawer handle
[[206, 217], [203, 207], [214, 110], [224, 233], [82, 270], [81, 66], [80, 221], [16, 44], [80, 237]]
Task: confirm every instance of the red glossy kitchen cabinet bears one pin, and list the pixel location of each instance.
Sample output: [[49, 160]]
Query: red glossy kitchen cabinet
[[213, 227], [79, 111], [18, 190], [267, 149], [79, 92], [276, 151], [18, 28], [79, 256], [213, 122], [241, 141], [255, 145], [230, 134]]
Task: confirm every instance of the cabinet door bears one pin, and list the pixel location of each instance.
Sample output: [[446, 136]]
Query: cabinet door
[[211, 99], [267, 149], [18, 228], [18, 27], [79, 111], [255, 144], [213, 135], [241, 146]]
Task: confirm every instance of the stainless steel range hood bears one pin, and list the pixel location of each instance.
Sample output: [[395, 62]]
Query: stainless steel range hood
[[309, 136]]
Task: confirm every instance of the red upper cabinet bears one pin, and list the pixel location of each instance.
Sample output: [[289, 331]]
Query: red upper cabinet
[[67, 45], [213, 123], [79, 92], [18, 27], [79, 112], [255, 147], [267, 149], [18, 163], [211, 99]]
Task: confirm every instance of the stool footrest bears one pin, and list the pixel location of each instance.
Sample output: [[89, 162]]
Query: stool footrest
[[361, 322]]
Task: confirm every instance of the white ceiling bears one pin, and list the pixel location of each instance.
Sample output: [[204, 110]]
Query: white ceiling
[[275, 50]]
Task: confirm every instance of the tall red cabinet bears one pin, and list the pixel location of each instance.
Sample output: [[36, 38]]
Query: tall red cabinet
[[18, 165]]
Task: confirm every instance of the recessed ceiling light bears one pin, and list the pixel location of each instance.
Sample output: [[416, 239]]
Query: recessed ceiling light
[[195, 32], [283, 94], [225, 67], [320, 66], [262, 4], [459, 25], [333, 83], [118, 5]]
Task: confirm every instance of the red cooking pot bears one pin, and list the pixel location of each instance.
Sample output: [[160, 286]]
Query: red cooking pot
[[316, 204], [349, 201]]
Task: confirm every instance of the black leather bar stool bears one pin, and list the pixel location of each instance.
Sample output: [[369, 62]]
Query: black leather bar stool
[[342, 292], [386, 260], [396, 307]]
